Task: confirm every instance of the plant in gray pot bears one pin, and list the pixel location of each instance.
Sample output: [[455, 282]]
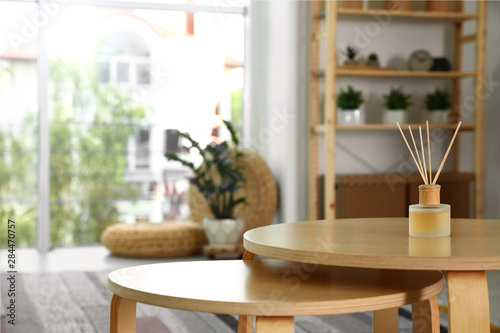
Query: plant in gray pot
[[351, 53], [348, 103], [438, 104], [396, 105], [218, 178], [373, 60]]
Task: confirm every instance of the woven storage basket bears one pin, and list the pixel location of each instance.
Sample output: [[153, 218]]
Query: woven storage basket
[[155, 240], [259, 190], [371, 196], [389, 195]]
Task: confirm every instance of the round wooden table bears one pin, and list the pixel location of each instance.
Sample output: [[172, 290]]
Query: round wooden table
[[271, 290], [465, 256]]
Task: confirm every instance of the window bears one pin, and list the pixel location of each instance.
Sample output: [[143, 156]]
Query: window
[[142, 149], [18, 122], [124, 59], [121, 82]]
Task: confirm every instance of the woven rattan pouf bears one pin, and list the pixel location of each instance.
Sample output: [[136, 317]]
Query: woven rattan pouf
[[259, 190], [151, 240]]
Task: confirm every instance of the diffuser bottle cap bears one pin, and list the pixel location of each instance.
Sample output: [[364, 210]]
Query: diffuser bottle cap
[[429, 195]]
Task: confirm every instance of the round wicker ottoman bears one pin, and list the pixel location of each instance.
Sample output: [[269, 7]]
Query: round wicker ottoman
[[151, 240]]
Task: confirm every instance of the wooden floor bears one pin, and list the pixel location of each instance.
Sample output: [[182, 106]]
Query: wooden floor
[[98, 258]]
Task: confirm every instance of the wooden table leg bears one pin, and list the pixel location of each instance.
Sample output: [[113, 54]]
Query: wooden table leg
[[247, 255], [123, 315], [385, 321], [245, 324], [274, 324], [425, 316], [468, 303]]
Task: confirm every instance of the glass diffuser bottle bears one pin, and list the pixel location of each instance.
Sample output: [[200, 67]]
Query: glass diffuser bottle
[[429, 218]]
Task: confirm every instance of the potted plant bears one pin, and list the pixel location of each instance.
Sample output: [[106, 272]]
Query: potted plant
[[396, 104], [351, 53], [372, 60], [438, 104], [218, 178], [348, 102]]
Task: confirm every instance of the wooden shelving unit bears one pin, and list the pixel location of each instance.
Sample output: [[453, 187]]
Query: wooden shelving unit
[[324, 19]]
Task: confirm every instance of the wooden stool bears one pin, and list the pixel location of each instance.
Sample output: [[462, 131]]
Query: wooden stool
[[274, 291]]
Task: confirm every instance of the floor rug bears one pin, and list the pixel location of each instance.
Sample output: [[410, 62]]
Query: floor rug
[[79, 302]]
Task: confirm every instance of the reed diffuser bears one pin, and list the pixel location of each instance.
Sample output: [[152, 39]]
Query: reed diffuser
[[428, 218]]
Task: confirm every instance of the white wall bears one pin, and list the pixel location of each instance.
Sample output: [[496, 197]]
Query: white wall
[[278, 103]]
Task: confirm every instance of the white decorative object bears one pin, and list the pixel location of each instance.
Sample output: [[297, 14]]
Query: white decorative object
[[420, 60], [437, 116], [223, 232], [350, 117], [395, 116]]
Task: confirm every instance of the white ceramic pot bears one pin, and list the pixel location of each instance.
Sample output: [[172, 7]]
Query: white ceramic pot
[[223, 232], [395, 116], [350, 117], [437, 116]]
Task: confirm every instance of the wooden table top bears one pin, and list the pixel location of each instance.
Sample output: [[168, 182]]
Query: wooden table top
[[271, 287], [474, 244]]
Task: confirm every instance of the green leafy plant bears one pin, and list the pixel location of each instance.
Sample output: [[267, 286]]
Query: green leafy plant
[[372, 60], [351, 53], [397, 99], [438, 100], [349, 99], [219, 176], [372, 57]]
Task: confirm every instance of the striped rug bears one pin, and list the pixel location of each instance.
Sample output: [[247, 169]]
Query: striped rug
[[79, 302]]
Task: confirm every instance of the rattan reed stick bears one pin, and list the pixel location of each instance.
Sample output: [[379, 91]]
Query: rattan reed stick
[[429, 151], [407, 145], [446, 155], [418, 156], [423, 154]]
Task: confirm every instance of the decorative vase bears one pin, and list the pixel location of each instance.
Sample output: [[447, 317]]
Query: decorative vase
[[398, 5], [395, 116], [350, 117], [223, 232], [437, 116]]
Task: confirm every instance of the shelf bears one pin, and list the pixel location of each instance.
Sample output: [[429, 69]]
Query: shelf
[[450, 16], [395, 73], [385, 127]]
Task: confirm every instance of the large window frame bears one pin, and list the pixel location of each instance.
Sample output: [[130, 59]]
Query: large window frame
[[43, 243]]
